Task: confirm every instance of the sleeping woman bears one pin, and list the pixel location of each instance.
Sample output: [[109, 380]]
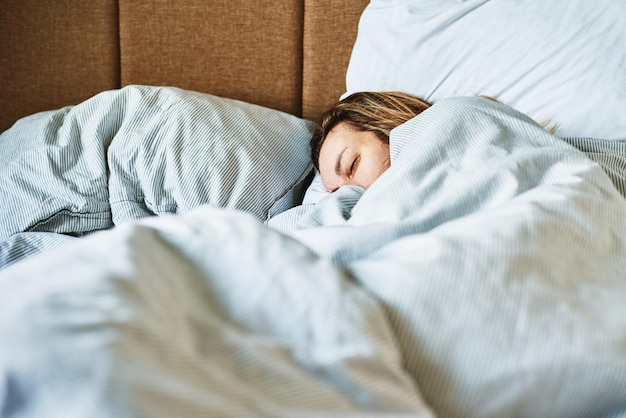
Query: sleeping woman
[[351, 144]]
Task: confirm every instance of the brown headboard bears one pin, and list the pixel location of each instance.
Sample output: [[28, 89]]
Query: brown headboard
[[284, 54]]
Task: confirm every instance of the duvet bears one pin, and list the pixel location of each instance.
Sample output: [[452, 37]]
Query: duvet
[[482, 275], [142, 151]]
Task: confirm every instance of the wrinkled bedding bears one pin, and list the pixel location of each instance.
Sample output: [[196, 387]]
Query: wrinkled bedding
[[482, 275], [142, 151]]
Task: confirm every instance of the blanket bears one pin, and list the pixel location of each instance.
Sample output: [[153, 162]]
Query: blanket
[[482, 275], [142, 151]]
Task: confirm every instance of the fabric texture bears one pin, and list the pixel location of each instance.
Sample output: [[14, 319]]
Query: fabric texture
[[499, 252], [22, 245], [531, 55], [516, 52], [611, 155], [41, 46], [482, 275], [143, 151], [205, 314], [250, 51], [330, 28], [289, 56]]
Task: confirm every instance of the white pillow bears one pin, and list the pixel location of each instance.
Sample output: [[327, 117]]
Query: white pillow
[[563, 60]]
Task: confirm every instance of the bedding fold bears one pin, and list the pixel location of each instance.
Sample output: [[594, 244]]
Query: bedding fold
[[143, 151], [499, 254], [205, 314], [482, 275]]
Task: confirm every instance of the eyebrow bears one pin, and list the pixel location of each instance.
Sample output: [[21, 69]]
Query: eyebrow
[[338, 163]]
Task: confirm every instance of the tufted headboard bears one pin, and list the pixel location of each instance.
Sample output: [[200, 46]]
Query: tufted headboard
[[287, 55]]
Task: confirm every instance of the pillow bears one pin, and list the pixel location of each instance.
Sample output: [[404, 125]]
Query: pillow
[[316, 190], [562, 60], [143, 150]]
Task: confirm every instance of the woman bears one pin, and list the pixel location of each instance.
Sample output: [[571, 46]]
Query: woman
[[351, 144]]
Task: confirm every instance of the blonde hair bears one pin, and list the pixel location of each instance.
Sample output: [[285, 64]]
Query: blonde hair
[[377, 112]]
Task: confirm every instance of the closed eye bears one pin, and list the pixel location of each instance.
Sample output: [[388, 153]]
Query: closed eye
[[354, 166]]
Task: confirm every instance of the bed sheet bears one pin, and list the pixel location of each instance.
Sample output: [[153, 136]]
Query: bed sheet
[[482, 275]]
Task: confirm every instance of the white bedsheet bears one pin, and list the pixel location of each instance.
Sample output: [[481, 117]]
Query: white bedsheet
[[483, 275]]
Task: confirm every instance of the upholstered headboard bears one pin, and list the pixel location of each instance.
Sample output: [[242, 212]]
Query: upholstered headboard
[[287, 55]]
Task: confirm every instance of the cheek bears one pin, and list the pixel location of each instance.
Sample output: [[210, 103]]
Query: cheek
[[330, 180], [369, 172], [376, 163], [327, 183], [380, 160]]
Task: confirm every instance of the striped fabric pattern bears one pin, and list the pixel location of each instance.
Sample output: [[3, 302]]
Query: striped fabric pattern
[[499, 253], [611, 155], [481, 276], [207, 314], [26, 244], [143, 151]]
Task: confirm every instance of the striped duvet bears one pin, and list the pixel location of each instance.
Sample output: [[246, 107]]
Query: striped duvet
[[142, 151], [482, 275]]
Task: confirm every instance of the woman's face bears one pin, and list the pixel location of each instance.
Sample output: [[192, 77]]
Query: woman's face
[[351, 157]]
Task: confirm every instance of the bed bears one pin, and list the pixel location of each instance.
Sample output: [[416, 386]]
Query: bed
[[167, 249]]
